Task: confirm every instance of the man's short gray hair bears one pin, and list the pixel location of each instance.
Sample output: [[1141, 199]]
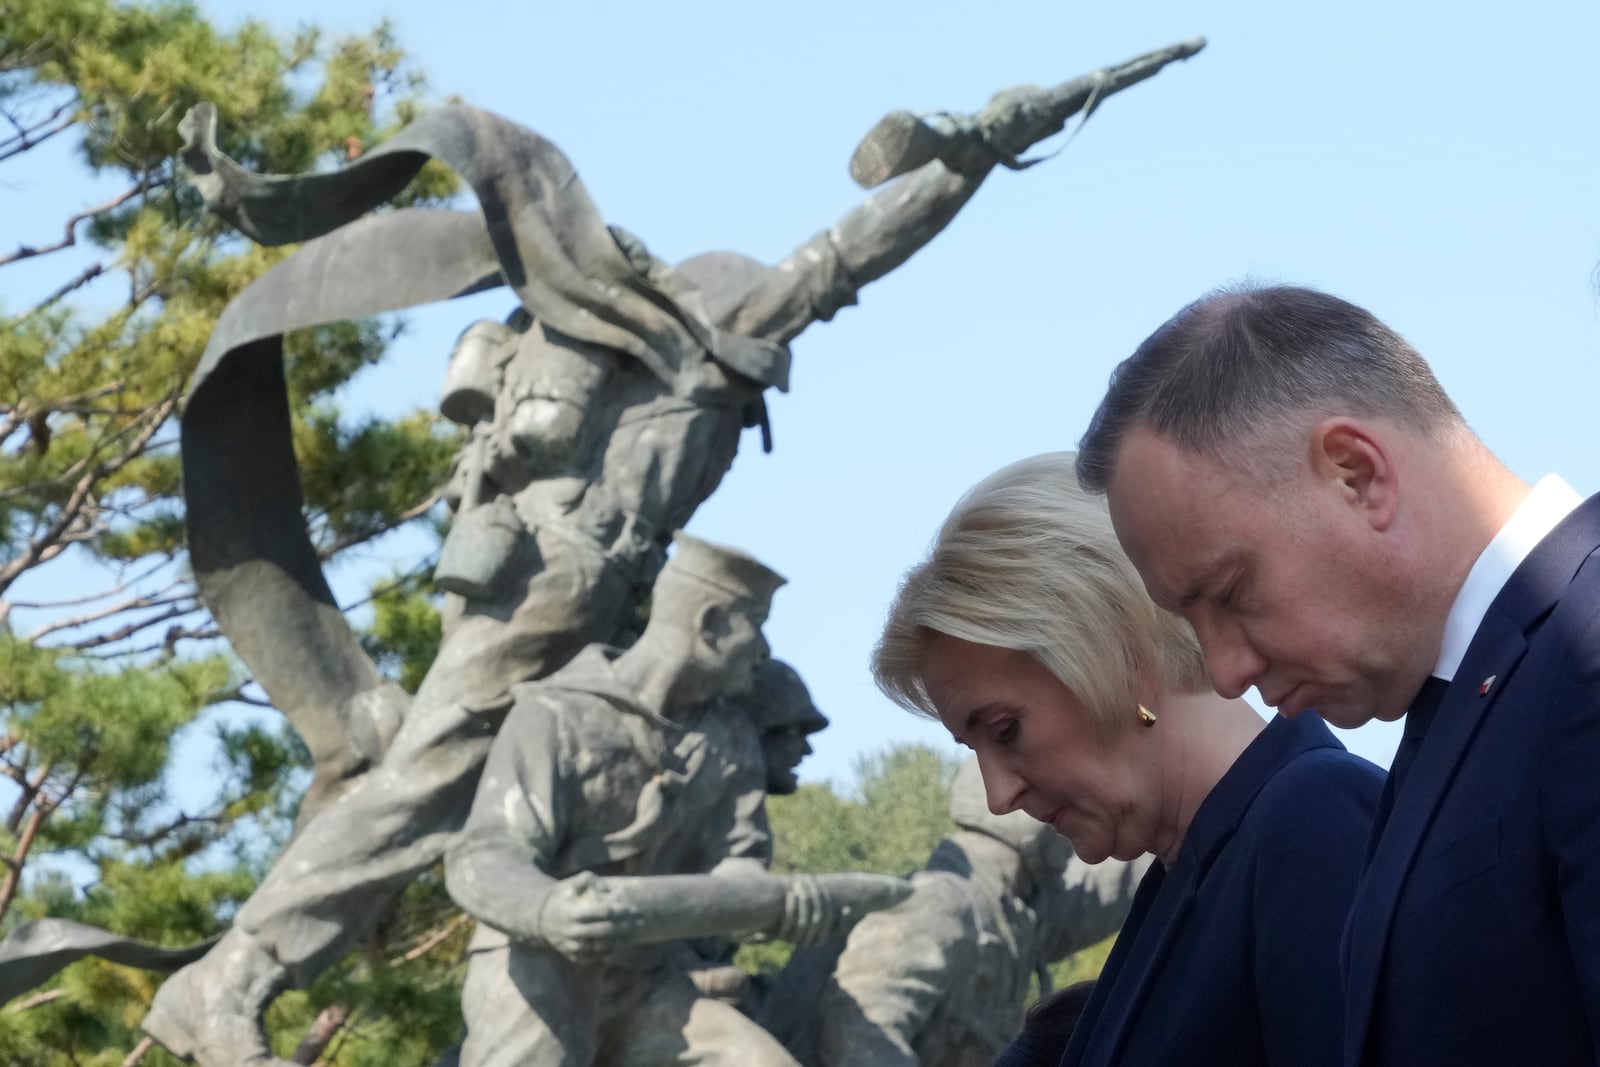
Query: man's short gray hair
[[1242, 367], [1028, 561]]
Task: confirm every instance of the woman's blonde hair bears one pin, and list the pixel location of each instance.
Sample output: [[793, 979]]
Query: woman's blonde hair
[[1028, 561]]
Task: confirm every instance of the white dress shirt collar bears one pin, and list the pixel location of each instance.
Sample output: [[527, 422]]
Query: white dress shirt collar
[[1540, 512]]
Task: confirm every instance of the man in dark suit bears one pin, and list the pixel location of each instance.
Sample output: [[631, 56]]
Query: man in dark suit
[[1286, 472]]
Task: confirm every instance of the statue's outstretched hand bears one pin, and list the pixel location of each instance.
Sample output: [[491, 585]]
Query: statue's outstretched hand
[[584, 921]]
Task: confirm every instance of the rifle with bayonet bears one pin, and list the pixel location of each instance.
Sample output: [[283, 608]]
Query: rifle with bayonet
[[1013, 121]]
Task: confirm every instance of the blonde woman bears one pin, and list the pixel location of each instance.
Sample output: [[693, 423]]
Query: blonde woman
[[1028, 634]]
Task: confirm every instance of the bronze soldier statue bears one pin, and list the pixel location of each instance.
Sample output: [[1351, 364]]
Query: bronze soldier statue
[[620, 391]]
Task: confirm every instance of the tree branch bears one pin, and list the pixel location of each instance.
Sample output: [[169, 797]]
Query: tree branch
[[153, 600], [429, 943], [144, 1045], [238, 694], [30, 791], [328, 1024], [24, 138], [122, 633], [88, 275], [75, 403], [400, 580], [51, 542], [144, 185], [30, 833], [41, 605], [38, 1000], [154, 837], [416, 511], [16, 774], [168, 644]]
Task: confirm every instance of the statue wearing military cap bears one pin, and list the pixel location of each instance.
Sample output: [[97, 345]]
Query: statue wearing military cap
[[599, 785], [780, 706], [605, 411]]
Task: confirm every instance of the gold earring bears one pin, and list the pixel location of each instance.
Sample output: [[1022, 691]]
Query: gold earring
[[1146, 716]]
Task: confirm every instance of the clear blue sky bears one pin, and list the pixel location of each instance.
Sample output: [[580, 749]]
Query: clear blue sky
[[1436, 162]]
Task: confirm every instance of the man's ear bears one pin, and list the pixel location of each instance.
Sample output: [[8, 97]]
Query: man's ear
[[712, 621], [1351, 457]]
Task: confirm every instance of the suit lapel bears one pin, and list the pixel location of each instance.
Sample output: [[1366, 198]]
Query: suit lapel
[[1213, 827], [1496, 649], [1168, 915], [1502, 639]]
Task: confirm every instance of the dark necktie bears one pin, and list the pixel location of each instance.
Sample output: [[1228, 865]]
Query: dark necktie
[[1418, 718]]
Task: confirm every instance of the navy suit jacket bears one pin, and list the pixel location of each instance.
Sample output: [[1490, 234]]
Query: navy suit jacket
[[1232, 956], [1475, 934]]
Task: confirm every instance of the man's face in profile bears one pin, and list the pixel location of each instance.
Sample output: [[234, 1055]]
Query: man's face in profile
[[780, 706], [730, 647], [784, 746], [1280, 581]]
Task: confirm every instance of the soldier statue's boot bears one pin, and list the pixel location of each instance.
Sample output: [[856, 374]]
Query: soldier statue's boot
[[210, 1012]]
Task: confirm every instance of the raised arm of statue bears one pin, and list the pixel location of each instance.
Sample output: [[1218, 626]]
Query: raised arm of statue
[[940, 162], [825, 274]]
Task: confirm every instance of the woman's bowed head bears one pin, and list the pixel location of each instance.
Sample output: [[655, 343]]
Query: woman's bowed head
[[1029, 635]]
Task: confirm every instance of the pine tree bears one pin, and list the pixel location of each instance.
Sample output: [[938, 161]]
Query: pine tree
[[893, 814], [106, 654]]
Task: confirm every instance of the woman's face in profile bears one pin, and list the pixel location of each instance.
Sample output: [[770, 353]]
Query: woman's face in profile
[[1039, 752]]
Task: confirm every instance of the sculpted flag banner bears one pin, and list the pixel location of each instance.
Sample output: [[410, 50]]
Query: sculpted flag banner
[[537, 232], [637, 478], [37, 949]]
